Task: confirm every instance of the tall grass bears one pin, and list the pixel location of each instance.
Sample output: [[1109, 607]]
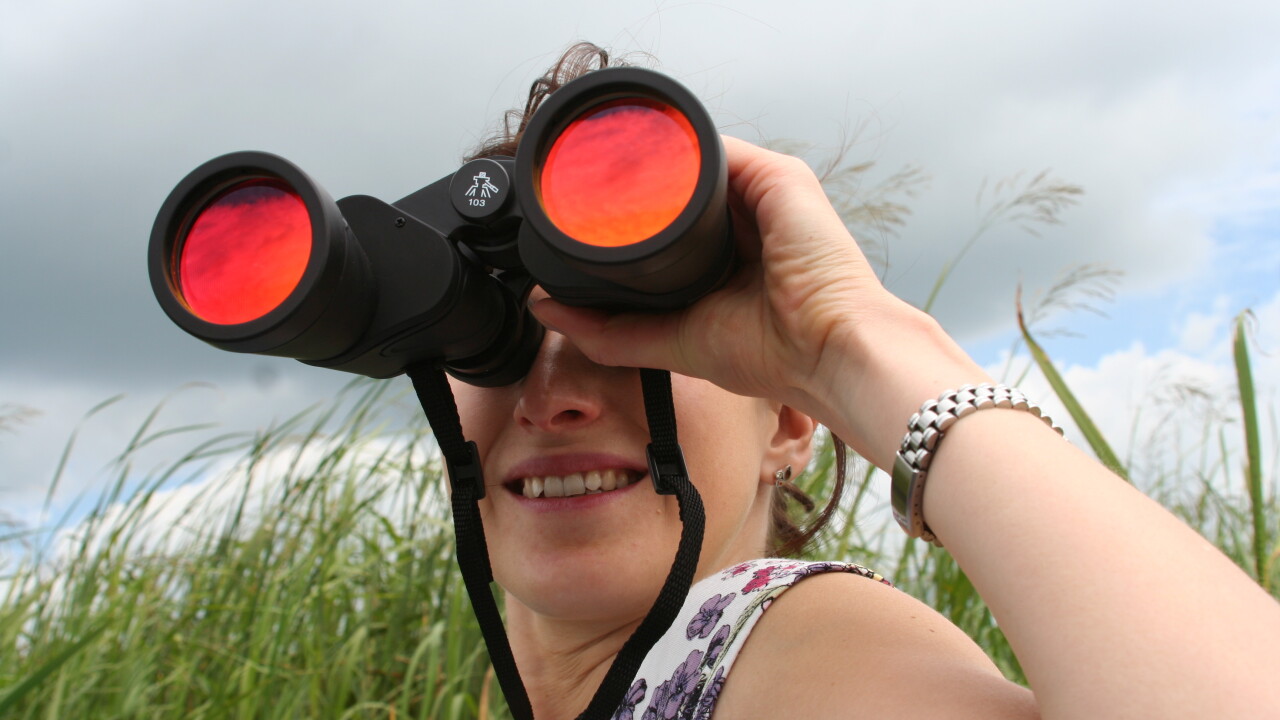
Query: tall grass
[[313, 577]]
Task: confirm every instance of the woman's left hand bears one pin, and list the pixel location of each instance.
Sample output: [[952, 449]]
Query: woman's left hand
[[802, 280], [803, 317]]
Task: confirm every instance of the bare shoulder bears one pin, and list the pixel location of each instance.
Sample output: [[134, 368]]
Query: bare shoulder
[[837, 645]]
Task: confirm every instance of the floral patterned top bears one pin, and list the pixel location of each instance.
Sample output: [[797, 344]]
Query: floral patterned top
[[682, 675]]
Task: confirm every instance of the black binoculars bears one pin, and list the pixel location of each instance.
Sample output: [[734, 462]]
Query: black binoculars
[[616, 199]]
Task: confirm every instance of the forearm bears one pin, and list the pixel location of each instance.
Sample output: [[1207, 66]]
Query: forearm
[[1113, 606]]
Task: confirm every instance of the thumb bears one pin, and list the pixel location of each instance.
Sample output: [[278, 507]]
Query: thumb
[[617, 339]]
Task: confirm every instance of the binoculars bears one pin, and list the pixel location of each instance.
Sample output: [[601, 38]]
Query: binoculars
[[616, 199]]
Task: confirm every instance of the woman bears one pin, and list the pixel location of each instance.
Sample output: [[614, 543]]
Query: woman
[[1115, 609]]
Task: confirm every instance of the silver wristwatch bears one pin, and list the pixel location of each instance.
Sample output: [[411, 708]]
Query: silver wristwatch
[[925, 430]]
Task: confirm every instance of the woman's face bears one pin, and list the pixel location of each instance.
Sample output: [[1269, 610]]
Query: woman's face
[[571, 425]]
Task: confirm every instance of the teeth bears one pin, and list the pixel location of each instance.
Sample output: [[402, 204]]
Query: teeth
[[574, 484], [532, 487], [552, 486]]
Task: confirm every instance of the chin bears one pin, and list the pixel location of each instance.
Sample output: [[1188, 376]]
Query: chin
[[587, 584]]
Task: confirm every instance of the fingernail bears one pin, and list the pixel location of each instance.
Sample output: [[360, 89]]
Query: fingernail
[[540, 313]]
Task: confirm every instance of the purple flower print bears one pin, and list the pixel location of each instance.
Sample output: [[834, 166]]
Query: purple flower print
[[707, 703], [627, 710], [816, 568], [716, 646], [672, 694], [708, 615]]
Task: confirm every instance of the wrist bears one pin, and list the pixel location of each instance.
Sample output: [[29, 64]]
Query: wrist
[[876, 371], [926, 431]]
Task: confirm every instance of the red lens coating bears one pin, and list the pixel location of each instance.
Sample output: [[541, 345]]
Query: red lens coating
[[245, 252], [621, 172]]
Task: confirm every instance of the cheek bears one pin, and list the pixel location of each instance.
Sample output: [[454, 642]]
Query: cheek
[[724, 437], [719, 422], [482, 411]]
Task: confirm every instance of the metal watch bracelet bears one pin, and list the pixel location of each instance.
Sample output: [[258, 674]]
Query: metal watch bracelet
[[925, 430]]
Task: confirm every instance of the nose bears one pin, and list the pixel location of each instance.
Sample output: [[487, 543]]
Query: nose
[[564, 390]]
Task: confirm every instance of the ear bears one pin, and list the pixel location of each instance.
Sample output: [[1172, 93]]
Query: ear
[[791, 444]]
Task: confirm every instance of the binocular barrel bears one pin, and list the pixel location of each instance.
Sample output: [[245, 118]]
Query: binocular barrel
[[616, 199]]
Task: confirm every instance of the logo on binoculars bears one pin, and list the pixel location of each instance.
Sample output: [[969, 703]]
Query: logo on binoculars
[[481, 189]]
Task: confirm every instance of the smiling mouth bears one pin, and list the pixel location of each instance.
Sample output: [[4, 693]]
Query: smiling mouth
[[574, 484]]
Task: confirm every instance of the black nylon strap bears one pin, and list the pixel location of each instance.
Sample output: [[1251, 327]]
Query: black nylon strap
[[466, 478], [669, 475], [667, 470]]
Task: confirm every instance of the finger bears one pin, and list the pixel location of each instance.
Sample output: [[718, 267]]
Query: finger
[[617, 339], [746, 237], [754, 172], [789, 207], [772, 187]]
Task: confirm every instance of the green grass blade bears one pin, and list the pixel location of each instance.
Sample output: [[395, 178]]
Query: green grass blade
[[1101, 448], [49, 667], [1253, 447]]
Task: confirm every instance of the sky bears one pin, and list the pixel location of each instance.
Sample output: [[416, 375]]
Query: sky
[[1166, 114]]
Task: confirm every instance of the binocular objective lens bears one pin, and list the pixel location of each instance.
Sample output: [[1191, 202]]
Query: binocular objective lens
[[245, 252], [621, 172]]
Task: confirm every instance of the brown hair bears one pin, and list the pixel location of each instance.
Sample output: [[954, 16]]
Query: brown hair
[[787, 538], [577, 61], [790, 539]]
